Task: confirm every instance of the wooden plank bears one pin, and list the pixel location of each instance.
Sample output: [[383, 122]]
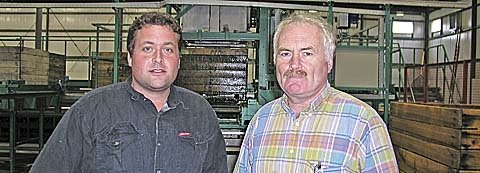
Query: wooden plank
[[8, 49], [35, 52], [464, 106], [8, 76], [471, 121], [470, 141], [41, 69], [9, 71], [11, 64], [34, 58], [9, 56], [436, 152], [470, 159], [411, 162], [440, 116], [469, 171], [35, 79], [428, 132]]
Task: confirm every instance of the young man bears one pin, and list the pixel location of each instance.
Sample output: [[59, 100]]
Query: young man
[[145, 124], [313, 127]]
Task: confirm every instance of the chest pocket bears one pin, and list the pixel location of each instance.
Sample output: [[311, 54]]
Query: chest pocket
[[118, 149], [190, 151]]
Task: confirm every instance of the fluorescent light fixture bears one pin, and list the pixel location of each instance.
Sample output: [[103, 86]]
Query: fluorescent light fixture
[[400, 13]]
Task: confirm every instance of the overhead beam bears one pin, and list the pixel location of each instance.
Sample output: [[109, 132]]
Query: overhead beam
[[156, 5], [85, 5], [274, 5], [416, 3], [279, 4]]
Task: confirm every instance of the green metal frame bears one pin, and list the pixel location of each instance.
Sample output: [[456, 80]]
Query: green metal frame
[[388, 60], [118, 41], [8, 105]]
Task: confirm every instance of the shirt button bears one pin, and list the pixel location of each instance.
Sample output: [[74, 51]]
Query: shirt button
[[291, 151], [297, 124], [158, 144], [158, 171]]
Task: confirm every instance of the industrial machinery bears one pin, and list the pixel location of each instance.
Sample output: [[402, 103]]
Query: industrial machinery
[[228, 61]]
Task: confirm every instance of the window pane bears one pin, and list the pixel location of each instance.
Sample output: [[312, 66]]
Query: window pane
[[402, 27], [436, 25]]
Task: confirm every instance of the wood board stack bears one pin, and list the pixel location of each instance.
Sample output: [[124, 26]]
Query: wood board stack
[[105, 68], [56, 70], [435, 137], [34, 66]]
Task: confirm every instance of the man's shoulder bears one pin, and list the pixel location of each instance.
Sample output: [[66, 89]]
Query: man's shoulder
[[354, 104], [109, 91], [186, 94], [267, 108], [346, 98]]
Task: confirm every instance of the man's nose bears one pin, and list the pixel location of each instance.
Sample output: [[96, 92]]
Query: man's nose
[[295, 61], [157, 56]]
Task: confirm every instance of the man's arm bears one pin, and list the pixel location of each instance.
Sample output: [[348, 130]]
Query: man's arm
[[64, 149], [243, 161], [216, 159], [379, 154]]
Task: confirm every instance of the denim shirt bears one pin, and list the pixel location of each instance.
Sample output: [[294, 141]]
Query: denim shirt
[[116, 129]]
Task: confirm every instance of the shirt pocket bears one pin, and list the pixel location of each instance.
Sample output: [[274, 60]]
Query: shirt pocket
[[328, 167], [191, 149], [118, 149]]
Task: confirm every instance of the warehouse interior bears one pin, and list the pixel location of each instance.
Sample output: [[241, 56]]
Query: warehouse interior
[[415, 62]]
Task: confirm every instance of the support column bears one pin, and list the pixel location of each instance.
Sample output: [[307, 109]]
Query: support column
[[473, 48], [47, 29], [117, 41], [38, 28], [426, 57], [388, 60]]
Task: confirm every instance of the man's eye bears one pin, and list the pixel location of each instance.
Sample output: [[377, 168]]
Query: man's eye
[[147, 49], [169, 50], [284, 54], [308, 53]]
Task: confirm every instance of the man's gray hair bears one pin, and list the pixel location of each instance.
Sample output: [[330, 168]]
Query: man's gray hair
[[309, 18]]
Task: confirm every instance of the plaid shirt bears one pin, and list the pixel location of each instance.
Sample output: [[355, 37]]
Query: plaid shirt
[[336, 133]]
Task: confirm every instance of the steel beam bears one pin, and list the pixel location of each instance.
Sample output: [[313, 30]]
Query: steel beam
[[388, 60], [286, 5], [416, 3]]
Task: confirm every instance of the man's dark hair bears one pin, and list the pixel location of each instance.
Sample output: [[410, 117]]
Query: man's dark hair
[[152, 18]]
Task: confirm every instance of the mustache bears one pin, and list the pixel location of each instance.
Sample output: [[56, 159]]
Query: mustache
[[295, 73]]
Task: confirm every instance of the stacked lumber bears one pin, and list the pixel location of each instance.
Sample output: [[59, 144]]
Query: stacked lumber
[[34, 66], [435, 137], [105, 68]]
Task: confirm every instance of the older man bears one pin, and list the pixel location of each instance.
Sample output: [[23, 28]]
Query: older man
[[313, 127], [145, 124]]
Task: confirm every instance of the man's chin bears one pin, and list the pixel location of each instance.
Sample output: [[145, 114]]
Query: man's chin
[[295, 90]]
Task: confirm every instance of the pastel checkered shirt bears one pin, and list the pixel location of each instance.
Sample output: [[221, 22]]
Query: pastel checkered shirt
[[337, 133]]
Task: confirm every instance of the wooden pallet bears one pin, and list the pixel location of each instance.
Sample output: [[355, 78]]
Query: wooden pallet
[[436, 138]]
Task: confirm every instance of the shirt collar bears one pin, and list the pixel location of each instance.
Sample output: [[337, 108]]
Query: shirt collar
[[172, 101]]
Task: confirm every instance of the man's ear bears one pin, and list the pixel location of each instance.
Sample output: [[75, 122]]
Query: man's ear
[[129, 59], [330, 64], [179, 62]]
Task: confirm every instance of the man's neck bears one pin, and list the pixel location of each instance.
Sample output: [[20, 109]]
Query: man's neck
[[159, 98], [300, 104]]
